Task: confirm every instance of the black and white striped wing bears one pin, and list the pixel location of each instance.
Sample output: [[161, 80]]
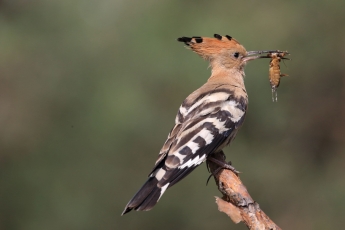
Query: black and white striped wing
[[197, 138], [202, 128]]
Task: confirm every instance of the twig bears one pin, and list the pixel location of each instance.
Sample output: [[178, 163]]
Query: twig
[[236, 201]]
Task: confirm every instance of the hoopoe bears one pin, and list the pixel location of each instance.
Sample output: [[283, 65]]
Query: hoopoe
[[207, 120]]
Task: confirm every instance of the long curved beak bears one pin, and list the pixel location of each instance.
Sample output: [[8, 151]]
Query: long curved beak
[[252, 55]]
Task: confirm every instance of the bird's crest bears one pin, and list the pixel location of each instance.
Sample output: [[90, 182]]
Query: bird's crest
[[209, 48]]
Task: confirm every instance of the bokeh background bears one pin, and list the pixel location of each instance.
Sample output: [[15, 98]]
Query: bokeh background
[[89, 91]]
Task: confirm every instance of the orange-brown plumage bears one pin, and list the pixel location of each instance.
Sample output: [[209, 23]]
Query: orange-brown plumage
[[212, 48], [217, 50]]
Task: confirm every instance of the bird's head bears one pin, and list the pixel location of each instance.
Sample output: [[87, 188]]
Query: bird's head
[[221, 51]]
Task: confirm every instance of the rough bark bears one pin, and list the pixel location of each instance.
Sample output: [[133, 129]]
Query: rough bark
[[236, 201]]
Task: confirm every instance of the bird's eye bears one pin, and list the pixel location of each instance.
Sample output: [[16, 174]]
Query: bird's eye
[[236, 55]]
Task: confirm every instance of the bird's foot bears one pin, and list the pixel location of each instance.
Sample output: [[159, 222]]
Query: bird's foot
[[222, 165]]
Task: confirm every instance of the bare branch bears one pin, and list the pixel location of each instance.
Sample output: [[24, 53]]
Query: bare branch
[[236, 201]]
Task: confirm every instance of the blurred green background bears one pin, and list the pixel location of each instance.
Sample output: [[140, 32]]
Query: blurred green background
[[89, 91]]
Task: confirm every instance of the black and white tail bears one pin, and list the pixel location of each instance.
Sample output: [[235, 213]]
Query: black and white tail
[[147, 196]]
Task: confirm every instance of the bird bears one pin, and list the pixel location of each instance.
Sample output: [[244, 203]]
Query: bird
[[207, 120]]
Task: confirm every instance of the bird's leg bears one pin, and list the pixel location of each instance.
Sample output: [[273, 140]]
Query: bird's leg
[[223, 165], [212, 173]]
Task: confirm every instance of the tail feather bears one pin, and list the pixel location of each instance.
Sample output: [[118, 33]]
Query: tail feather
[[150, 193], [150, 201], [147, 196]]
